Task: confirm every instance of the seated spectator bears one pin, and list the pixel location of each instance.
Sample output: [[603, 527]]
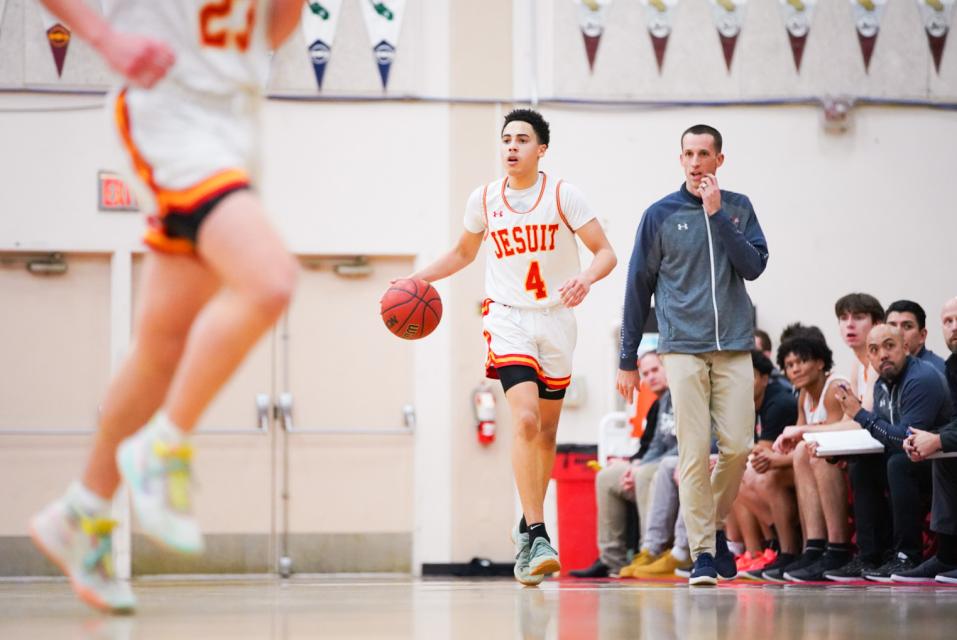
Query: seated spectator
[[856, 314], [919, 446], [948, 318], [909, 318], [909, 393], [625, 485], [943, 519], [821, 487], [762, 342], [767, 489], [665, 523]]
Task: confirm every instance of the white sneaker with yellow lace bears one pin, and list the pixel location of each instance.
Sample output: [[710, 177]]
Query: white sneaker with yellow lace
[[81, 546], [159, 478]]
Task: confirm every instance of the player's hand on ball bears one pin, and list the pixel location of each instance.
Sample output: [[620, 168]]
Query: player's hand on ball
[[141, 60], [574, 290]]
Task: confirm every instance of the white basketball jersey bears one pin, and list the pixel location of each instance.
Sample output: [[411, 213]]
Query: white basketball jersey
[[529, 238], [220, 45]]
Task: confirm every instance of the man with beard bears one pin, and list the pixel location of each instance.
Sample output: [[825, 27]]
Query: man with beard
[[909, 393]]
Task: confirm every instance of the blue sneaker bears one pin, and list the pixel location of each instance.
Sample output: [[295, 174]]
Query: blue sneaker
[[724, 562], [703, 572]]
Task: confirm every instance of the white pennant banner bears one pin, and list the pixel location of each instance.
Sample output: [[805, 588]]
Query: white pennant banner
[[728, 18], [319, 21], [591, 19], [867, 21], [798, 15], [658, 18], [936, 16], [383, 22]]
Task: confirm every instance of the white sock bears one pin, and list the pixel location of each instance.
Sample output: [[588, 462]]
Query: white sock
[[163, 429], [86, 501], [681, 555], [737, 548]]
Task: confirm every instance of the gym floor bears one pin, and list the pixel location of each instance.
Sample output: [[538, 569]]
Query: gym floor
[[402, 607]]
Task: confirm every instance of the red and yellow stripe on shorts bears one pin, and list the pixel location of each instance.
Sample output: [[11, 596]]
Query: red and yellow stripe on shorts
[[494, 361], [180, 201]]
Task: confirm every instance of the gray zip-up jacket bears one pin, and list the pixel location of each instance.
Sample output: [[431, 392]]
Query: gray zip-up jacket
[[695, 266]]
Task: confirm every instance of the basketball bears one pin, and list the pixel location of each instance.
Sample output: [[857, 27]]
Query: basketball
[[411, 309]]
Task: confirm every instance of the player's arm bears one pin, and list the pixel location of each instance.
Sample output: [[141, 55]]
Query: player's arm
[[141, 60], [461, 256], [593, 236], [283, 18]]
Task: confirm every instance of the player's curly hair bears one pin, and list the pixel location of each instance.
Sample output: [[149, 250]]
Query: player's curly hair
[[806, 347], [532, 117]]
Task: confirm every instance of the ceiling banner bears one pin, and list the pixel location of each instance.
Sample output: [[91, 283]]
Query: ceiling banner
[[383, 22], [936, 16], [867, 20], [728, 19], [798, 15], [319, 21], [659, 15], [591, 20]]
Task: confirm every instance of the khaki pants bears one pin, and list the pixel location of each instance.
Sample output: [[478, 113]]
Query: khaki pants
[[612, 505], [710, 389]]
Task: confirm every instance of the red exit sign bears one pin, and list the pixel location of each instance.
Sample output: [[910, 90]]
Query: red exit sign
[[114, 194]]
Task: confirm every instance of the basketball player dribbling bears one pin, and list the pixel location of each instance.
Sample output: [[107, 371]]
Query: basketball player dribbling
[[529, 221], [218, 276]]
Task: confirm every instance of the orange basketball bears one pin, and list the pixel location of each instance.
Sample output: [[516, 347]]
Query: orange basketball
[[411, 309]]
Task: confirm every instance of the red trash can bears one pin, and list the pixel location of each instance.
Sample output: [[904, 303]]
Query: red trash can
[[577, 511]]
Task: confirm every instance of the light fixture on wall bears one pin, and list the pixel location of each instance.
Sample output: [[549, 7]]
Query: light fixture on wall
[[836, 113], [357, 267]]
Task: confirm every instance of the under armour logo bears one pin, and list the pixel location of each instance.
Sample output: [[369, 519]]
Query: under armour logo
[[497, 214], [682, 226]]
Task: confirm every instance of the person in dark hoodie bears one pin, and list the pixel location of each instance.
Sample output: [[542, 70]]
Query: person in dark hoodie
[[910, 393], [693, 251]]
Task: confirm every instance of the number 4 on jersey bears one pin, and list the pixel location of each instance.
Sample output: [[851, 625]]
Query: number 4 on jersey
[[534, 282]]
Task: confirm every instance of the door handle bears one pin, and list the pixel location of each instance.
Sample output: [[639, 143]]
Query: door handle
[[285, 411], [263, 405]]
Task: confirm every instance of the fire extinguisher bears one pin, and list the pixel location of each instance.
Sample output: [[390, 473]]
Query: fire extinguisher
[[483, 404]]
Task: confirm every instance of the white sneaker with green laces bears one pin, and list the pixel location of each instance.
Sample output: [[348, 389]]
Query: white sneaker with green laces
[[159, 478], [543, 558], [81, 546], [521, 560]]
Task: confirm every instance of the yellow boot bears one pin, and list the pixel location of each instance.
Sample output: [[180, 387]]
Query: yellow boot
[[642, 559], [663, 567]]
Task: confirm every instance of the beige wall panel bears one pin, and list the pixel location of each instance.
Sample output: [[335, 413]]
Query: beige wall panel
[[345, 369], [55, 340], [350, 484], [33, 471], [480, 49], [11, 43], [233, 483], [355, 178]]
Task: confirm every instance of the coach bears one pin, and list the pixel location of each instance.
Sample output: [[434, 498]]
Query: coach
[[693, 250]]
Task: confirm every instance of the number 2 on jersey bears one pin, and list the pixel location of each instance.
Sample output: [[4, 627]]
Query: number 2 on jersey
[[534, 282], [221, 36]]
